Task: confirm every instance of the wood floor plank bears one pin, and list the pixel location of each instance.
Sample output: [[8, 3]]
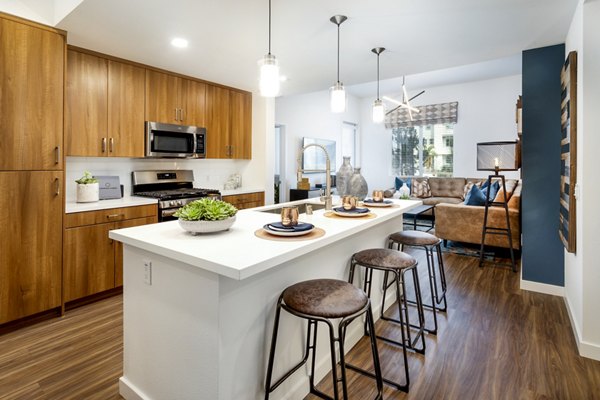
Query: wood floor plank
[[495, 342]]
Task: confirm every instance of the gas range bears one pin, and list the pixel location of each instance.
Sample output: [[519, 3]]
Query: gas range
[[173, 189]]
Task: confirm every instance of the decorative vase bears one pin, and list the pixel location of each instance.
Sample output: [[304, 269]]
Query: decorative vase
[[404, 191], [357, 185], [87, 193], [342, 177]]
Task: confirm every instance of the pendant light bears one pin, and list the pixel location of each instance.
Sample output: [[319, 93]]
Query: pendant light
[[378, 106], [337, 92], [269, 70]]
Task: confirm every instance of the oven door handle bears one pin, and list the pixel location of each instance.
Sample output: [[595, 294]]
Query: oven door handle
[[168, 212]]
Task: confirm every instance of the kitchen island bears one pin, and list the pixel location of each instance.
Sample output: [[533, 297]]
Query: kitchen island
[[198, 310]]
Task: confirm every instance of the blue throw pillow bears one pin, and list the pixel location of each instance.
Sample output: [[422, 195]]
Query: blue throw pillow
[[484, 184], [493, 190], [475, 197], [398, 183]]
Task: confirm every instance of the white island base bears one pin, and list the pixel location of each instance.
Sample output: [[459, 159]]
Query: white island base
[[198, 322]]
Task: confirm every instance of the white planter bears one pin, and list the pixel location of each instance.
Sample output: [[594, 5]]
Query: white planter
[[196, 227], [88, 193]]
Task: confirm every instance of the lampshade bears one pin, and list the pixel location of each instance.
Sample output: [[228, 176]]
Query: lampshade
[[338, 98], [269, 76], [378, 111], [498, 156]]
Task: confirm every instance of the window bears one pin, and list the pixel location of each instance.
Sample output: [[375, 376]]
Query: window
[[423, 150], [349, 141]]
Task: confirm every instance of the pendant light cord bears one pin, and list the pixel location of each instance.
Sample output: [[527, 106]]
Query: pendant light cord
[[377, 76], [338, 53], [269, 26]]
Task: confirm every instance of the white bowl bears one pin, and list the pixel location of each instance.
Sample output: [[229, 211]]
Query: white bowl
[[197, 227]]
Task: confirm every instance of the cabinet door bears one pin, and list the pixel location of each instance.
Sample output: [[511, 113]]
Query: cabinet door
[[31, 97], [126, 88], [162, 97], [31, 245], [218, 124], [193, 101], [89, 263], [241, 125], [119, 246], [86, 113]]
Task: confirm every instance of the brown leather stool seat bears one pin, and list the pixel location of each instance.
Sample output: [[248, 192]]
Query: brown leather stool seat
[[397, 264], [385, 258], [321, 300], [429, 243], [415, 238]]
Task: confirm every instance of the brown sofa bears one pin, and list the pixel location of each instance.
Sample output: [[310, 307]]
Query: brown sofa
[[462, 223]]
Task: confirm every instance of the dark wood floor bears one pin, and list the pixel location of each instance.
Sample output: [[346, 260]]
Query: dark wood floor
[[496, 342]]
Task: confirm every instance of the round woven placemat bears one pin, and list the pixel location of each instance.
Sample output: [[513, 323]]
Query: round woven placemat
[[331, 214], [315, 233]]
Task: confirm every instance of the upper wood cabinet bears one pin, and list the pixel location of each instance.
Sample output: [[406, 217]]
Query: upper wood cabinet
[[104, 107], [175, 100], [31, 96], [31, 246], [229, 123]]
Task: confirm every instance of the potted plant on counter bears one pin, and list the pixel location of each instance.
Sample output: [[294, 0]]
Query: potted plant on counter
[[206, 215], [88, 189]]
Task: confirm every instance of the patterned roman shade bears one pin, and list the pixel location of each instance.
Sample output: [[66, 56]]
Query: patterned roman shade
[[429, 115]]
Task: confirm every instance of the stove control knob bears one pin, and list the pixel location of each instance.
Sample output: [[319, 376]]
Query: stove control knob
[[172, 203], [179, 202]]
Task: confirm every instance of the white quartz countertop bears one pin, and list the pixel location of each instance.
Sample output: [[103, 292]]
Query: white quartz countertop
[[126, 201], [240, 191], [238, 253]]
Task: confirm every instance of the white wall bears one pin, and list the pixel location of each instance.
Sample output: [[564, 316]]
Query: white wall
[[486, 112], [582, 269], [309, 115], [256, 173]]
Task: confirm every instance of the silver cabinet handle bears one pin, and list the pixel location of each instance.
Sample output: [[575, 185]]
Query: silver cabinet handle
[[111, 144], [176, 114], [57, 183], [104, 145], [57, 154], [181, 114]]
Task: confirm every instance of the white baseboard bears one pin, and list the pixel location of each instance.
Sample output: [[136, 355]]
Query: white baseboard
[[542, 288], [129, 391], [586, 349]]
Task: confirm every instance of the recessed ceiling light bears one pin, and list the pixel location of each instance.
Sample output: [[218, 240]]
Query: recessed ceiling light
[[179, 42]]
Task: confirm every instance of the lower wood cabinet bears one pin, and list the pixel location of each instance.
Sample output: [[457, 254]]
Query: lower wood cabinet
[[31, 245], [92, 262], [246, 200]]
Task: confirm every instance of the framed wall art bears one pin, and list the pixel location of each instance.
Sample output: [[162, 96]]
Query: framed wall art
[[568, 152]]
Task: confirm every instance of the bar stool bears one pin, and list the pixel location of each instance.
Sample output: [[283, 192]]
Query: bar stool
[[429, 243], [398, 264], [322, 300]]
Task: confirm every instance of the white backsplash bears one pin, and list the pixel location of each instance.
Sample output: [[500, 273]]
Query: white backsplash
[[210, 174]]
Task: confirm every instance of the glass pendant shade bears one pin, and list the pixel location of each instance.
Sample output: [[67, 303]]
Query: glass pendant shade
[[338, 98], [269, 76], [378, 111]]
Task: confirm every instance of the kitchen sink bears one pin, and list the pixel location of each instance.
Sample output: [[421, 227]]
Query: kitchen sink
[[301, 208]]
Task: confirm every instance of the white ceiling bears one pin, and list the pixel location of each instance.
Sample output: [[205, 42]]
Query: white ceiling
[[228, 37]]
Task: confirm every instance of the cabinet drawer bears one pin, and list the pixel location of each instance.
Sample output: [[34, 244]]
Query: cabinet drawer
[[245, 198], [109, 215]]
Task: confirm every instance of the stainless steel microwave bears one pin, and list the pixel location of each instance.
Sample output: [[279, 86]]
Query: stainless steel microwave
[[175, 141]]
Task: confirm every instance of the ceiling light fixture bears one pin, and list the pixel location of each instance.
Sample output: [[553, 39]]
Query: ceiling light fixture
[[337, 92], [269, 70], [179, 42], [378, 106], [405, 103]]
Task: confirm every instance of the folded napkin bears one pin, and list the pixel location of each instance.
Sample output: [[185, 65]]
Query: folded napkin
[[355, 211], [301, 227]]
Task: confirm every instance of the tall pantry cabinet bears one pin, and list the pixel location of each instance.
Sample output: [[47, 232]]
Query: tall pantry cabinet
[[32, 69]]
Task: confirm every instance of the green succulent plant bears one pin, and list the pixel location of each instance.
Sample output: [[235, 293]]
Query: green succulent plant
[[86, 179], [206, 209], [405, 197]]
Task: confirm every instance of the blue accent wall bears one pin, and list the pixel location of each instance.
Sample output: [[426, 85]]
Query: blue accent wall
[[543, 251]]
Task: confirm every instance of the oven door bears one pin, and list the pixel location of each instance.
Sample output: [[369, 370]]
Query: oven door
[[171, 141], [166, 214]]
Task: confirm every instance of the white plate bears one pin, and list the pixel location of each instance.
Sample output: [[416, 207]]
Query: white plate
[[281, 233], [350, 214], [385, 203]]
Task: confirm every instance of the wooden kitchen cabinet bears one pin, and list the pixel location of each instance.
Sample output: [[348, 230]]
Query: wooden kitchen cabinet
[[246, 200], [93, 262], [104, 110], [31, 247], [229, 123], [31, 95], [175, 100]]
